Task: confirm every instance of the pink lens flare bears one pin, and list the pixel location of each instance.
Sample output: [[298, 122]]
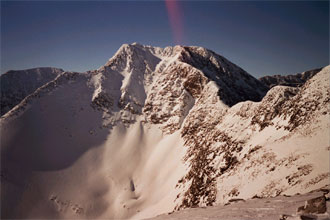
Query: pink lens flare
[[175, 18]]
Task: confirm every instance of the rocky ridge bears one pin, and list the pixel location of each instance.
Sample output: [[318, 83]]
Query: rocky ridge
[[295, 80], [17, 84]]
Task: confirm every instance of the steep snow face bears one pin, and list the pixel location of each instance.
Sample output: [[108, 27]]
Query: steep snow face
[[158, 129], [17, 84]]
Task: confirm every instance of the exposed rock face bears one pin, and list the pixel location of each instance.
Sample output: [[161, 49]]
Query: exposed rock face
[[180, 126], [295, 80], [235, 85], [215, 135], [196, 75], [17, 84]]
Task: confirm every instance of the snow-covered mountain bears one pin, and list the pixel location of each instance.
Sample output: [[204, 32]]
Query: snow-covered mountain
[[294, 80], [17, 84], [160, 129]]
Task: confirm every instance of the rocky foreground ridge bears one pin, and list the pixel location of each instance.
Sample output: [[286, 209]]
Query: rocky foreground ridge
[[314, 205]]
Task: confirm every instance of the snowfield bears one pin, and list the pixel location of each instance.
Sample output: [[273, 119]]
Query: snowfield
[[157, 130]]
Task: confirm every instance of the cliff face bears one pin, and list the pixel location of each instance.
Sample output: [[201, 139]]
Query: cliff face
[[160, 129]]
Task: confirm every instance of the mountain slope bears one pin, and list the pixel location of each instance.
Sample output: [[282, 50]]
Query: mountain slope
[[158, 129], [253, 147], [289, 80], [17, 84]]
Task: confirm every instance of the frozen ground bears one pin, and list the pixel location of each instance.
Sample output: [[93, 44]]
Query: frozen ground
[[284, 207]]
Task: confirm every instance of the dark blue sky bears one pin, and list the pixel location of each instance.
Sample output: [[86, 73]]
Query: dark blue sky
[[261, 37]]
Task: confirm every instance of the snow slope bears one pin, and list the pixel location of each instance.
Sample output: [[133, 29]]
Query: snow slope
[[17, 84], [156, 130]]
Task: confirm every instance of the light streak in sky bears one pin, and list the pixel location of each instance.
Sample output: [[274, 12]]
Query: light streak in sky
[[175, 17]]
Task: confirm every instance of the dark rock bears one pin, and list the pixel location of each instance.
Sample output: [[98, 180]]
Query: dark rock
[[308, 217], [285, 217], [236, 200], [295, 80], [256, 197], [316, 205]]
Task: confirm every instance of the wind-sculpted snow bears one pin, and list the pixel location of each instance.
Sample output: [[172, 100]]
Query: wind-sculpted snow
[[160, 129]]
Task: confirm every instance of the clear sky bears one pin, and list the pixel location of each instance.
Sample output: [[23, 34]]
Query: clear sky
[[261, 37]]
